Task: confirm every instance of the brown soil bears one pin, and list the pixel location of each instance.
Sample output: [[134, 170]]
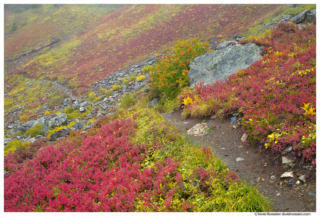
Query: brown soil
[[226, 144]]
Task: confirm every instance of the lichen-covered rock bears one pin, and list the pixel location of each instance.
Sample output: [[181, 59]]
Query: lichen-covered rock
[[59, 120], [301, 17], [218, 65], [311, 16]]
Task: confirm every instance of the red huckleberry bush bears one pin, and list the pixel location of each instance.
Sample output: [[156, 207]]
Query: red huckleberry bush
[[276, 95]]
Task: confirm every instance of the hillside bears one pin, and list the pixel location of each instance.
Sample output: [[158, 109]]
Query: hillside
[[128, 108]]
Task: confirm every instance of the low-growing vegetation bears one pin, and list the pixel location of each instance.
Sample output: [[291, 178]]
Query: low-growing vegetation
[[34, 131], [151, 166], [276, 95]]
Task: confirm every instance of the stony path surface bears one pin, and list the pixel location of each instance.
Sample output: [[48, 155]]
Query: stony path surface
[[258, 168]]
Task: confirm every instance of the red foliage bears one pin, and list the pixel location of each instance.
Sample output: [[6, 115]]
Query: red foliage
[[271, 92]]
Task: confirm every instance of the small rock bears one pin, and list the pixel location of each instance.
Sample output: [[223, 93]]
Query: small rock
[[288, 149], [154, 101], [303, 178], [273, 177], [233, 120], [278, 194], [298, 182], [285, 160], [301, 17], [291, 182], [239, 159], [82, 109], [312, 194], [258, 179], [244, 137], [287, 175]]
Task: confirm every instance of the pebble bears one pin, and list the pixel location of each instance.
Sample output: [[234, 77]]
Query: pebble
[[298, 182], [239, 159], [303, 178], [278, 194], [287, 175], [273, 177], [312, 194]]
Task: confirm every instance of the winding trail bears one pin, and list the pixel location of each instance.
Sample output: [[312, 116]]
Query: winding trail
[[226, 144]]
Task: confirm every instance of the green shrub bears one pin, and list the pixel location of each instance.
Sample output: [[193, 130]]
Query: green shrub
[[19, 133], [68, 110], [74, 115], [171, 73], [35, 130], [108, 92], [127, 101], [46, 48], [14, 26], [129, 79], [91, 96], [14, 145], [56, 101], [97, 99], [116, 87]]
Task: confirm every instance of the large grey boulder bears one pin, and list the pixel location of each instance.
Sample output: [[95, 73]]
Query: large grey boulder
[[219, 64], [301, 17], [24, 127], [311, 15]]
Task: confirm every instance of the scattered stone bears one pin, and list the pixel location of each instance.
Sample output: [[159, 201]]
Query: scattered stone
[[268, 26], [82, 109], [244, 137], [60, 119], [287, 175], [303, 178], [219, 64], [312, 194], [288, 149], [273, 177], [285, 160], [298, 182], [234, 126], [239, 159], [38, 136], [198, 130], [147, 90], [154, 101], [291, 182], [84, 104], [278, 194], [109, 114], [258, 179], [233, 120], [6, 140]]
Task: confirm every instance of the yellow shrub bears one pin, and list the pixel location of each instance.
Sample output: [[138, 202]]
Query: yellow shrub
[[108, 92], [116, 87], [140, 77], [47, 112], [96, 99], [102, 90], [91, 96]]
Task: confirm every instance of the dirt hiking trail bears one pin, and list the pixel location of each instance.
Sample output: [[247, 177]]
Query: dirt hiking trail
[[261, 169]]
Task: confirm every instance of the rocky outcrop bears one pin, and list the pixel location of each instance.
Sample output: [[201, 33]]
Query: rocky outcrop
[[78, 126], [301, 17], [224, 45], [218, 65], [311, 16]]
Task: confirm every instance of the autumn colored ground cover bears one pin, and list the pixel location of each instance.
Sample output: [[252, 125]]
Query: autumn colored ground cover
[[135, 32], [135, 164], [276, 95]]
